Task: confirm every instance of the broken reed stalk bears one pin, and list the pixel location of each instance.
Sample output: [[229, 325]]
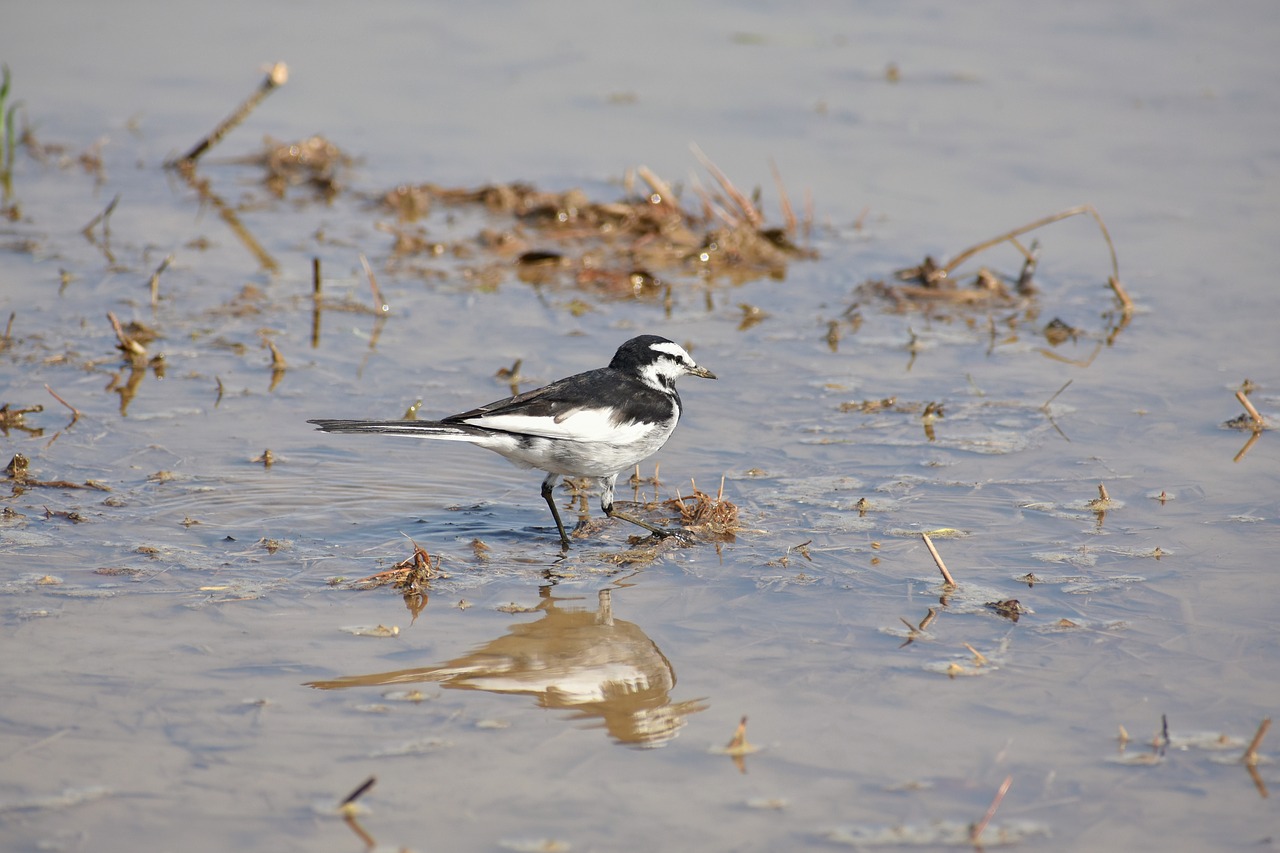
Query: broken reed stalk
[[155, 280], [1258, 422], [1045, 407], [975, 832], [75, 413], [380, 305], [937, 558], [360, 791], [276, 77], [1009, 236], [317, 303], [1250, 757], [102, 217], [8, 331], [1126, 304]]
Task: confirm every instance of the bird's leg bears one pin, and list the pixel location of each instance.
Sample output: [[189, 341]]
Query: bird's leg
[[547, 486], [606, 504]]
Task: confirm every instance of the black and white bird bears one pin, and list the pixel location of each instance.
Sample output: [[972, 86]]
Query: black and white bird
[[594, 424]]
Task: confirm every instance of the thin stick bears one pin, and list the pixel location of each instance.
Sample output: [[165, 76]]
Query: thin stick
[[1040, 223], [317, 303], [1248, 407], [8, 331], [379, 304], [360, 791], [979, 658], [976, 832], [102, 217], [1250, 756], [937, 558], [1126, 304], [276, 77], [1045, 407], [75, 413], [155, 280]]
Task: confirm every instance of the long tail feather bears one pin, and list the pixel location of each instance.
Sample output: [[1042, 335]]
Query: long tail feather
[[418, 429]]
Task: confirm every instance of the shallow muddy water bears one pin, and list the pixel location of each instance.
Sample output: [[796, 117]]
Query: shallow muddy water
[[189, 657]]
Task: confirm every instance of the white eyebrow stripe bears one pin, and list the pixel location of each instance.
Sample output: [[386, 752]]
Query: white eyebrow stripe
[[671, 349], [579, 425]]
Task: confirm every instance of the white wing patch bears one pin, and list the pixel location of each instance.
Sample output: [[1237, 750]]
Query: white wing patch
[[589, 425]]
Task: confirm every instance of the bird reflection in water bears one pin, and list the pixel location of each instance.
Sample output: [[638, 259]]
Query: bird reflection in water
[[578, 660]]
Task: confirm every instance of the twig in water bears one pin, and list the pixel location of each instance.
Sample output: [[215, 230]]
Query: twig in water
[[348, 809], [1045, 407], [380, 305], [317, 303], [276, 77], [75, 413], [8, 331], [975, 831], [1250, 756], [937, 558], [360, 791], [104, 217], [1040, 223], [155, 280], [1126, 304], [1258, 422]]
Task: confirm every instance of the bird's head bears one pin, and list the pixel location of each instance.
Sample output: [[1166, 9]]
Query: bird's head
[[657, 362]]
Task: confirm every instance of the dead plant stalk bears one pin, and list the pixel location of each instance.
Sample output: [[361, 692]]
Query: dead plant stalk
[[1250, 756], [276, 77], [978, 827], [1248, 407], [1009, 236], [937, 558]]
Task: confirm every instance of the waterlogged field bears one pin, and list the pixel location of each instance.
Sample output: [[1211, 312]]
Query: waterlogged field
[[979, 514]]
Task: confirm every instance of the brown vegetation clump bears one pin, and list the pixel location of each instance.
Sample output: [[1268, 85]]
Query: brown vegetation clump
[[710, 515], [620, 248]]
